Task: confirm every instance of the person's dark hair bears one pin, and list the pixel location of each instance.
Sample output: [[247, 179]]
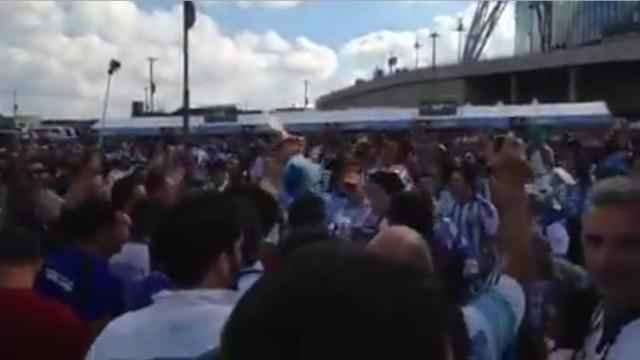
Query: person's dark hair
[[84, 221], [21, 200], [267, 206], [252, 231], [410, 209], [307, 210], [145, 217], [260, 213], [468, 175], [303, 237], [19, 245], [123, 190], [217, 165], [193, 234], [389, 181], [32, 160], [425, 174], [338, 302], [156, 180]]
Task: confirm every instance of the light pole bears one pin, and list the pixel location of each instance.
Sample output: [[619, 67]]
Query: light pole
[[531, 18], [392, 62], [114, 65], [189, 19], [306, 94], [434, 38], [146, 99], [417, 47], [15, 105], [460, 30], [152, 85]]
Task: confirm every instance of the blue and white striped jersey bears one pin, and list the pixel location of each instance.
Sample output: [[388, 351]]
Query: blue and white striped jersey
[[476, 221]]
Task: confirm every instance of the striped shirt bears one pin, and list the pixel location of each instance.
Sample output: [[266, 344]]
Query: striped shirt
[[621, 343], [476, 221]]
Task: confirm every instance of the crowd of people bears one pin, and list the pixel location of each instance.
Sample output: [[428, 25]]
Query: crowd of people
[[414, 245]]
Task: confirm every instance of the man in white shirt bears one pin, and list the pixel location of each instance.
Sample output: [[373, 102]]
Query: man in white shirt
[[198, 245], [611, 244]]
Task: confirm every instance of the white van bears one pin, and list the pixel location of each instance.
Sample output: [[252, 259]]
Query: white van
[[54, 133]]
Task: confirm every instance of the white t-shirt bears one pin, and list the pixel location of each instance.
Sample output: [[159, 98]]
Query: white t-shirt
[[558, 238], [625, 346], [257, 171], [248, 277], [132, 263], [185, 323], [493, 318], [538, 165]]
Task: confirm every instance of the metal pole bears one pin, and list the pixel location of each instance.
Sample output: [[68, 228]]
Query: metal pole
[[146, 99], [460, 30], [531, 29], [306, 94], [417, 46], [152, 86], [15, 105], [459, 46], [185, 67], [104, 110], [434, 37]]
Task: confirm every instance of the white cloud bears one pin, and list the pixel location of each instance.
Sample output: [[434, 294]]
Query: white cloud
[[376, 47], [56, 54], [255, 4], [274, 4], [420, 2], [362, 54], [502, 43]]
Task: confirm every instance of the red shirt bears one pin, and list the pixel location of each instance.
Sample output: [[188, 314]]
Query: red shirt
[[34, 327]]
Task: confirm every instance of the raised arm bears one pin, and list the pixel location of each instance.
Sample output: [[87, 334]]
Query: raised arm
[[510, 173]]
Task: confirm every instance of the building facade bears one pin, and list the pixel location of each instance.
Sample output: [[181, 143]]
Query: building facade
[[548, 25]]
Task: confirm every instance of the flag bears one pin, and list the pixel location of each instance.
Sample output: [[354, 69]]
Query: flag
[[189, 14], [114, 65], [153, 88]]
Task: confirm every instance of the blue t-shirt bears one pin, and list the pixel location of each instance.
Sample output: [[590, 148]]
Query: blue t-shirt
[[83, 282]]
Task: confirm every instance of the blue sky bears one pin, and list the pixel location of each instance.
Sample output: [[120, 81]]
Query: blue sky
[[328, 22]]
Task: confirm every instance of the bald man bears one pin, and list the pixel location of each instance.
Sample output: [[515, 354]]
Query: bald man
[[402, 244]]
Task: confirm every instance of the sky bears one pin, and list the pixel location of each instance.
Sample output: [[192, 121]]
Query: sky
[[256, 54]]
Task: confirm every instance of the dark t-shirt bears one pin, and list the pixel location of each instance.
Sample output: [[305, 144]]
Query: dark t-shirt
[[34, 327]]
